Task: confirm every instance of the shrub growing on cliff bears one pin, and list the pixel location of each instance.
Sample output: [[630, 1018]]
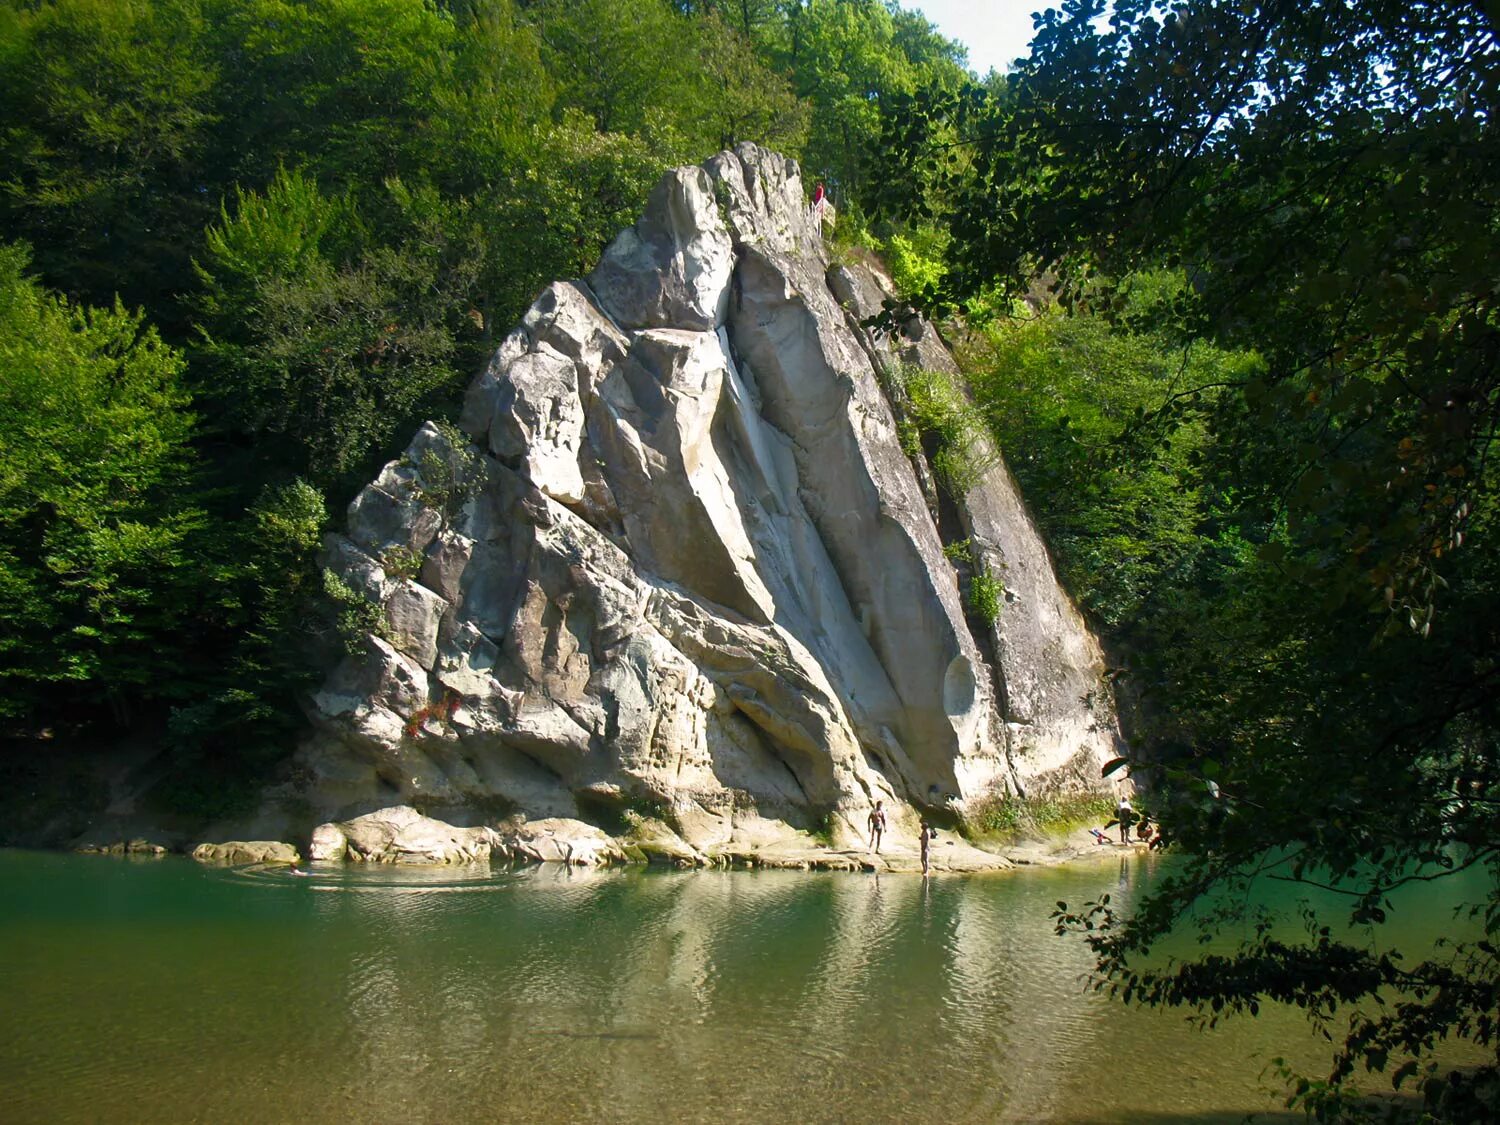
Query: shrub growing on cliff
[[986, 594], [951, 430]]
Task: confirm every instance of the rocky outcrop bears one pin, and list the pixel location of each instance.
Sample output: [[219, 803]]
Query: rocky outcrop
[[677, 557], [238, 852], [137, 847], [560, 840], [1050, 674], [400, 835]]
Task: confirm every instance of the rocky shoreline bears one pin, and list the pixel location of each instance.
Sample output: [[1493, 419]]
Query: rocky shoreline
[[401, 835]]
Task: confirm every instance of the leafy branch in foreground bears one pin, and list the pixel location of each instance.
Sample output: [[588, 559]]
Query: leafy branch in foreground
[[1324, 176]]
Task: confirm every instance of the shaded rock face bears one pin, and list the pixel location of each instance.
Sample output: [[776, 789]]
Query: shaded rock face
[[676, 554]]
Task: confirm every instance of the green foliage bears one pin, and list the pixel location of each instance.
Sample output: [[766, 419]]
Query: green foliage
[[915, 259], [961, 450], [96, 523], [348, 88], [320, 345], [739, 96], [356, 616], [401, 562], [1127, 509], [1317, 638], [107, 108], [846, 57], [444, 482], [986, 595]]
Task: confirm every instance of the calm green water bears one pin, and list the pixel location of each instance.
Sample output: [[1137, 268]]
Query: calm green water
[[165, 992]]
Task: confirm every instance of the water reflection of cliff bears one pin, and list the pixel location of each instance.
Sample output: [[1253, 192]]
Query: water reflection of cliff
[[724, 995], [404, 996]]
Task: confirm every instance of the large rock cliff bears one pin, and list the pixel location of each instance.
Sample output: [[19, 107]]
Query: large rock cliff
[[678, 560]]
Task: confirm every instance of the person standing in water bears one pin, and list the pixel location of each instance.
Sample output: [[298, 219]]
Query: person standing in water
[[877, 825], [1126, 816], [927, 834]]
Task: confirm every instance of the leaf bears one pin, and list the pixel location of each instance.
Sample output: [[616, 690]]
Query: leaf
[[1113, 765]]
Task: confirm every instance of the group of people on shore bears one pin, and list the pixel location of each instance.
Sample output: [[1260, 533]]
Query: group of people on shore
[[925, 835], [1125, 818]]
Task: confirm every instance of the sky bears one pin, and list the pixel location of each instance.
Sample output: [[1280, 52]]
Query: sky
[[996, 31]]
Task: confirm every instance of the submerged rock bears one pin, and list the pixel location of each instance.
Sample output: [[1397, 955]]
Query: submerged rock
[[136, 847], [247, 851], [679, 558]]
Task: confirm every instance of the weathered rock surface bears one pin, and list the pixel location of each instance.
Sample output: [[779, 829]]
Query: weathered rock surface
[[561, 840], [400, 835], [239, 852], [679, 559], [1050, 670], [137, 847]]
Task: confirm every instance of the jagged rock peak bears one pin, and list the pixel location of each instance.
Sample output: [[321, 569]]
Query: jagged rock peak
[[677, 559]]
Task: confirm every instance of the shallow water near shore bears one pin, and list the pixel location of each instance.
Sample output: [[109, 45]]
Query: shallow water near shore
[[161, 991]]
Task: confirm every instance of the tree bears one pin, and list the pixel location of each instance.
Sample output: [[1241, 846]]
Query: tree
[[625, 63], [1326, 174], [323, 346], [96, 518], [847, 57], [740, 97], [107, 106]]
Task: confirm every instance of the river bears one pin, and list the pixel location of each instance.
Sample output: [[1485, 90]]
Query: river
[[161, 991]]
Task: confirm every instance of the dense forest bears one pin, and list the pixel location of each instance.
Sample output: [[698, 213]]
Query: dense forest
[[1223, 278]]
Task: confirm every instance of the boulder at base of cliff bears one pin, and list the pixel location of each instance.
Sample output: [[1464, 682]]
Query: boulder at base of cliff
[[238, 852], [136, 847], [560, 840], [400, 835]]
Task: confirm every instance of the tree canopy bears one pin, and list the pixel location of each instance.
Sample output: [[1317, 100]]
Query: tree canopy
[[1316, 691]]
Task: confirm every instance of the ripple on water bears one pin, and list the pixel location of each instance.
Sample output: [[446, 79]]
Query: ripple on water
[[378, 877], [387, 993]]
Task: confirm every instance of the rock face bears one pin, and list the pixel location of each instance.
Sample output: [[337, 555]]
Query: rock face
[[678, 556], [400, 835]]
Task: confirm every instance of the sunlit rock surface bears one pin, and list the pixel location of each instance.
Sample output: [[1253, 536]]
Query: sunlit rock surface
[[677, 559], [400, 835]]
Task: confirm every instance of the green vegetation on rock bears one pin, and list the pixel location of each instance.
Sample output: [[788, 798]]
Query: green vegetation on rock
[[1261, 399]]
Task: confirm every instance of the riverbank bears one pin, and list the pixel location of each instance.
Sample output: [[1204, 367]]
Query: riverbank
[[572, 843], [65, 796]]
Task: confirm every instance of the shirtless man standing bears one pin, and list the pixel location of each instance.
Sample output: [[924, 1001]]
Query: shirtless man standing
[[877, 825]]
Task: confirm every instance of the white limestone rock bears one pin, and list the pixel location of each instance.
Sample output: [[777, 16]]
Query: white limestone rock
[[401, 835], [240, 852], [687, 562], [561, 840]]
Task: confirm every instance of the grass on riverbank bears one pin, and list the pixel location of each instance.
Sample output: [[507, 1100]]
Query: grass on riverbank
[[1008, 819]]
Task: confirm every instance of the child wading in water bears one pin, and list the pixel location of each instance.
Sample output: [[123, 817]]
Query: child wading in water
[[877, 825]]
